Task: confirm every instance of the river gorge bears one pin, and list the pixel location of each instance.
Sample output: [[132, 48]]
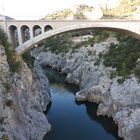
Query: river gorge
[[71, 119], [92, 91], [85, 67]]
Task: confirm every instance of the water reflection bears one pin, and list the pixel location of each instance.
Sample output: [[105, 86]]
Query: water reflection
[[72, 120], [57, 78], [107, 123]]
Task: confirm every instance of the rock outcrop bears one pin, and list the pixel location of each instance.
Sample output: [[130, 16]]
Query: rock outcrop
[[120, 101], [23, 98], [80, 11]]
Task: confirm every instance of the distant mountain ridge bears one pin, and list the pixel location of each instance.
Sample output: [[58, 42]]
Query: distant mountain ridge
[[123, 9], [81, 11]]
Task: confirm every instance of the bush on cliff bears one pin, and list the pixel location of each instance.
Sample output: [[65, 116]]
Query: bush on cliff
[[14, 63], [28, 59], [137, 70]]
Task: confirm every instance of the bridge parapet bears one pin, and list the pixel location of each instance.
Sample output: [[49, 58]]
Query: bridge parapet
[[24, 34]]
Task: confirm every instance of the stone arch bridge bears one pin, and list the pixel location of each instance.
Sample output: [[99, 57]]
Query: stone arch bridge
[[24, 34]]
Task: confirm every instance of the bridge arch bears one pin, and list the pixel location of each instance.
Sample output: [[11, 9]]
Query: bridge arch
[[36, 30], [25, 33], [48, 28], [13, 34], [38, 39]]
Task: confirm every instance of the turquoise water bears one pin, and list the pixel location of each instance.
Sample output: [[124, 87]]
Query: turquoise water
[[73, 120]]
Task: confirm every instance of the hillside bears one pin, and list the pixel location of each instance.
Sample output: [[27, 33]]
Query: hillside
[[76, 12], [125, 9]]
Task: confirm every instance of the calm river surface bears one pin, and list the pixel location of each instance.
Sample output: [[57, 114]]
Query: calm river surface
[[73, 120]]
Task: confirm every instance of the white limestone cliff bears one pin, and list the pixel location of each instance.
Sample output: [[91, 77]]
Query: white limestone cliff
[[22, 102]]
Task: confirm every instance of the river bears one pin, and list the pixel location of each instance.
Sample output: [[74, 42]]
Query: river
[[72, 120]]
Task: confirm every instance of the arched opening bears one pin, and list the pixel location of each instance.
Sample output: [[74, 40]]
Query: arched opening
[[48, 28], [37, 30], [13, 32], [25, 33]]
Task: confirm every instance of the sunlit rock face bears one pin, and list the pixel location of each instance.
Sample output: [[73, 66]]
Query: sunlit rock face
[[77, 12], [22, 102], [93, 14]]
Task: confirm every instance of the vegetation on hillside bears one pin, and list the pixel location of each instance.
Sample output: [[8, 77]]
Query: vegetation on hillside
[[28, 59], [12, 59], [63, 43], [125, 8], [59, 43], [123, 56]]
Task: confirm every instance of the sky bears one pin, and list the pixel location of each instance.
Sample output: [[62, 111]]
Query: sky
[[36, 9]]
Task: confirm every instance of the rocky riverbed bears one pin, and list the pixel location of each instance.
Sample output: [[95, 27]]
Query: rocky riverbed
[[120, 101], [23, 98]]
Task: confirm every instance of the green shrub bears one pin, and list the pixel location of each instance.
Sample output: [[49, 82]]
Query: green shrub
[[14, 137], [123, 71], [28, 59], [137, 71], [14, 63], [16, 66], [5, 137], [3, 37], [120, 80], [113, 74]]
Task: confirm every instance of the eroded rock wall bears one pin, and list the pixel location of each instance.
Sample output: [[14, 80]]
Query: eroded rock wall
[[23, 98]]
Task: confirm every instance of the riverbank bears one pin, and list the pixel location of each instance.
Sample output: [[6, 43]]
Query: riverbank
[[71, 119], [118, 100]]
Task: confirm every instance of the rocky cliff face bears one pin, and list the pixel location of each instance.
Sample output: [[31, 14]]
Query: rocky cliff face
[[23, 97], [123, 9], [76, 12], [106, 9], [120, 101]]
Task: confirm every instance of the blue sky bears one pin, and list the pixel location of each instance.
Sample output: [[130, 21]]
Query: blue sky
[[34, 9]]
